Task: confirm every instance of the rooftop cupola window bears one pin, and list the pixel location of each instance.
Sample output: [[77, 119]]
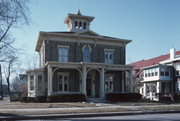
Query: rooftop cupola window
[[78, 22]]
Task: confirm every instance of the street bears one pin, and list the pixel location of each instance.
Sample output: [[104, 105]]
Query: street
[[149, 117]]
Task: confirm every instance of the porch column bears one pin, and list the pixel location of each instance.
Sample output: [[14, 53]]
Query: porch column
[[102, 84], [84, 76], [131, 80], [50, 90], [123, 78], [158, 87], [145, 89]]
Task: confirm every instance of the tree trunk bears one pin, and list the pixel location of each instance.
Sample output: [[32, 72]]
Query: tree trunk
[[1, 83], [9, 91]]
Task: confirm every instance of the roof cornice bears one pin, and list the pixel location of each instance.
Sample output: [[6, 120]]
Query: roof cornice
[[44, 35]]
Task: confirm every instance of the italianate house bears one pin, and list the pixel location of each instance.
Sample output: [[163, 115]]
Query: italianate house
[[78, 61]]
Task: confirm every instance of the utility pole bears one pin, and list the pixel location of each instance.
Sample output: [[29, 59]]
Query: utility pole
[[1, 85]]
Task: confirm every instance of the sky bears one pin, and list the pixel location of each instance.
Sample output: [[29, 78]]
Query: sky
[[153, 25]]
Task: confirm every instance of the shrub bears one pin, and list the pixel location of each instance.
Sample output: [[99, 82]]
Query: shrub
[[32, 99], [177, 97], [115, 97], [23, 99], [67, 98], [164, 97], [41, 99]]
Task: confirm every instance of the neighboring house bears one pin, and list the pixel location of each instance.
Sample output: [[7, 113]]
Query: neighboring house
[[78, 61], [158, 75]]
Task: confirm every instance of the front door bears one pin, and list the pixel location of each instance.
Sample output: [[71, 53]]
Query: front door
[[88, 87]]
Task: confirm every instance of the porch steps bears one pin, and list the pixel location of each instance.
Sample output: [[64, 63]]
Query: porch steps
[[96, 100]]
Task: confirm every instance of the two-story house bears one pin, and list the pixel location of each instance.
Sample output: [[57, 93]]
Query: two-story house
[[78, 61], [159, 76]]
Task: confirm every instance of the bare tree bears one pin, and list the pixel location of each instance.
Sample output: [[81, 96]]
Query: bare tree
[[10, 66], [32, 61], [19, 83], [12, 14]]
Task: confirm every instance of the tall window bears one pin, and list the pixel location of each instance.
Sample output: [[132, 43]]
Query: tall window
[[108, 83], [32, 83], [63, 82], [109, 56], [39, 82], [86, 54], [63, 54]]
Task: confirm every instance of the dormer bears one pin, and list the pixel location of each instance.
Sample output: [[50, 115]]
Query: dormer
[[78, 22]]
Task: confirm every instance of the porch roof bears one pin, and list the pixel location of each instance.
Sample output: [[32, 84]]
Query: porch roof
[[72, 65]]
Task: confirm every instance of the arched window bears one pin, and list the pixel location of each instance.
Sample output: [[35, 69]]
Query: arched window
[[80, 25], [76, 25], [86, 54], [84, 25]]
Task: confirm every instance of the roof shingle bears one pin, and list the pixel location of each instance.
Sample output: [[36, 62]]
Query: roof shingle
[[153, 61]]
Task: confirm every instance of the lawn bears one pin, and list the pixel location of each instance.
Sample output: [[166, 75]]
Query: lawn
[[15, 105]]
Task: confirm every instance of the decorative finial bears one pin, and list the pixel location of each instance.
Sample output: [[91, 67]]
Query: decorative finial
[[79, 13]]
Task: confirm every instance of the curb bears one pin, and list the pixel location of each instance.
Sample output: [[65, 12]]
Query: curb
[[81, 115]]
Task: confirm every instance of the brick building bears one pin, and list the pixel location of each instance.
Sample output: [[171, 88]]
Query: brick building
[[78, 61]]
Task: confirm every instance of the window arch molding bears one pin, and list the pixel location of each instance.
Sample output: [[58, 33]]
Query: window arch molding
[[86, 51]]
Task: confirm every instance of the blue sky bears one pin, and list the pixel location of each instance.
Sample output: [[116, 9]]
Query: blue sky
[[153, 25]]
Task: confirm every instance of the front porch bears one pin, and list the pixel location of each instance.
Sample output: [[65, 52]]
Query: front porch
[[91, 79], [155, 89]]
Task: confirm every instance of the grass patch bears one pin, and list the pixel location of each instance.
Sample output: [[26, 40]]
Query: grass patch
[[34, 112], [160, 108], [15, 105]]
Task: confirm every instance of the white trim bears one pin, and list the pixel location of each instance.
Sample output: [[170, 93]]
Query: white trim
[[109, 50], [63, 46], [76, 38], [86, 45]]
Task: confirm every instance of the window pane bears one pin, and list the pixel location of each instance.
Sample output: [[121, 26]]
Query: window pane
[[65, 52], [167, 74], [65, 87], [65, 59], [32, 83], [39, 82], [65, 79], [31, 77], [60, 87], [162, 73], [60, 51], [39, 77], [60, 79]]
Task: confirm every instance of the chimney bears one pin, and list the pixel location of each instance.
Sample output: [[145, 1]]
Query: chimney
[[172, 53]]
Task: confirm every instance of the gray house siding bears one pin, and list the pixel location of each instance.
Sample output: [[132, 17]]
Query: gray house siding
[[76, 53], [73, 83]]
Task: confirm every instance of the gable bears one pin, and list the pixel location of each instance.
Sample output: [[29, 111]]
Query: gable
[[88, 33]]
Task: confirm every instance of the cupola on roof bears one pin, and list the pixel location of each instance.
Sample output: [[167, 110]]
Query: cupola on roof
[[78, 22]]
